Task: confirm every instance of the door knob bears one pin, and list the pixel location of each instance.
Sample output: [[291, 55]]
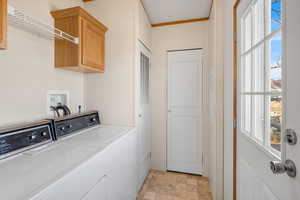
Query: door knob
[[288, 166]]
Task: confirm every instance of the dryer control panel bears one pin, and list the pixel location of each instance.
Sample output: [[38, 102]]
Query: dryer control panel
[[16, 139]]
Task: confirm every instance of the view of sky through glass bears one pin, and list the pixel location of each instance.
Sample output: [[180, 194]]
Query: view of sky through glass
[[276, 48]]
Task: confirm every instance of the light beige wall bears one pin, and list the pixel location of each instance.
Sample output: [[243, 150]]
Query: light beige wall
[[228, 98], [112, 92], [144, 29], [211, 97], [27, 68], [183, 36], [215, 84]]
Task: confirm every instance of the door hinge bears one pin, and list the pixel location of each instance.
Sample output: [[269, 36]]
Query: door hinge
[[234, 123]]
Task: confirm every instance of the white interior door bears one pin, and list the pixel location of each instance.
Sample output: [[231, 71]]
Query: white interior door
[[184, 149], [268, 96], [144, 122]]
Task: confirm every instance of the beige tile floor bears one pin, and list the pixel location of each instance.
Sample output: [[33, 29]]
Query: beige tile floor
[[174, 186]]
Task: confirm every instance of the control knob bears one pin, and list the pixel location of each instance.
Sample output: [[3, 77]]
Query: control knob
[[93, 119], [32, 137], [44, 134]]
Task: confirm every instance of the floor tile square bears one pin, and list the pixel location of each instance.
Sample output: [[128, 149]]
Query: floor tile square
[[161, 185]]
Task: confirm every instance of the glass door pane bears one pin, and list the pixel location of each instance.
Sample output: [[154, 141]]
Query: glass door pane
[[258, 117], [246, 109], [246, 71], [275, 122], [274, 64], [258, 20], [258, 69]]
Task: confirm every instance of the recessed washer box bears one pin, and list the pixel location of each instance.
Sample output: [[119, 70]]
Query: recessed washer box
[[55, 97]]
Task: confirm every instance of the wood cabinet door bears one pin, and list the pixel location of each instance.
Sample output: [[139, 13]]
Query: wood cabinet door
[[93, 41], [3, 23]]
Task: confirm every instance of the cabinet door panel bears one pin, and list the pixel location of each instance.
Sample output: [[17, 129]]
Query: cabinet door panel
[[123, 168], [92, 46], [99, 191], [79, 182], [3, 23], [66, 52]]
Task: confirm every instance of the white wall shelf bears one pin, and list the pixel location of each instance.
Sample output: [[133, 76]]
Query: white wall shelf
[[18, 17]]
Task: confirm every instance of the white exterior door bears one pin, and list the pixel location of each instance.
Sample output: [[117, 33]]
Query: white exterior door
[[143, 118], [184, 147], [268, 96]]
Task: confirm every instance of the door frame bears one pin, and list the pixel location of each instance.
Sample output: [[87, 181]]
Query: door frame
[[140, 47], [235, 105], [203, 98]]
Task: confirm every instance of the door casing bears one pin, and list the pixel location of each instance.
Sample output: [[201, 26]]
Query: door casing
[[235, 66], [141, 48]]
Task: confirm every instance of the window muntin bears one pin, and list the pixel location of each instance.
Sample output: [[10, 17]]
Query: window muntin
[[261, 74]]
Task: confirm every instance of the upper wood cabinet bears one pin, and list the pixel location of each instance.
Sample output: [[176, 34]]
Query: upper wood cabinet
[[3, 23], [88, 56]]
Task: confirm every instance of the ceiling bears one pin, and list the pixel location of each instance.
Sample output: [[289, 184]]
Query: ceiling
[[161, 11]]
